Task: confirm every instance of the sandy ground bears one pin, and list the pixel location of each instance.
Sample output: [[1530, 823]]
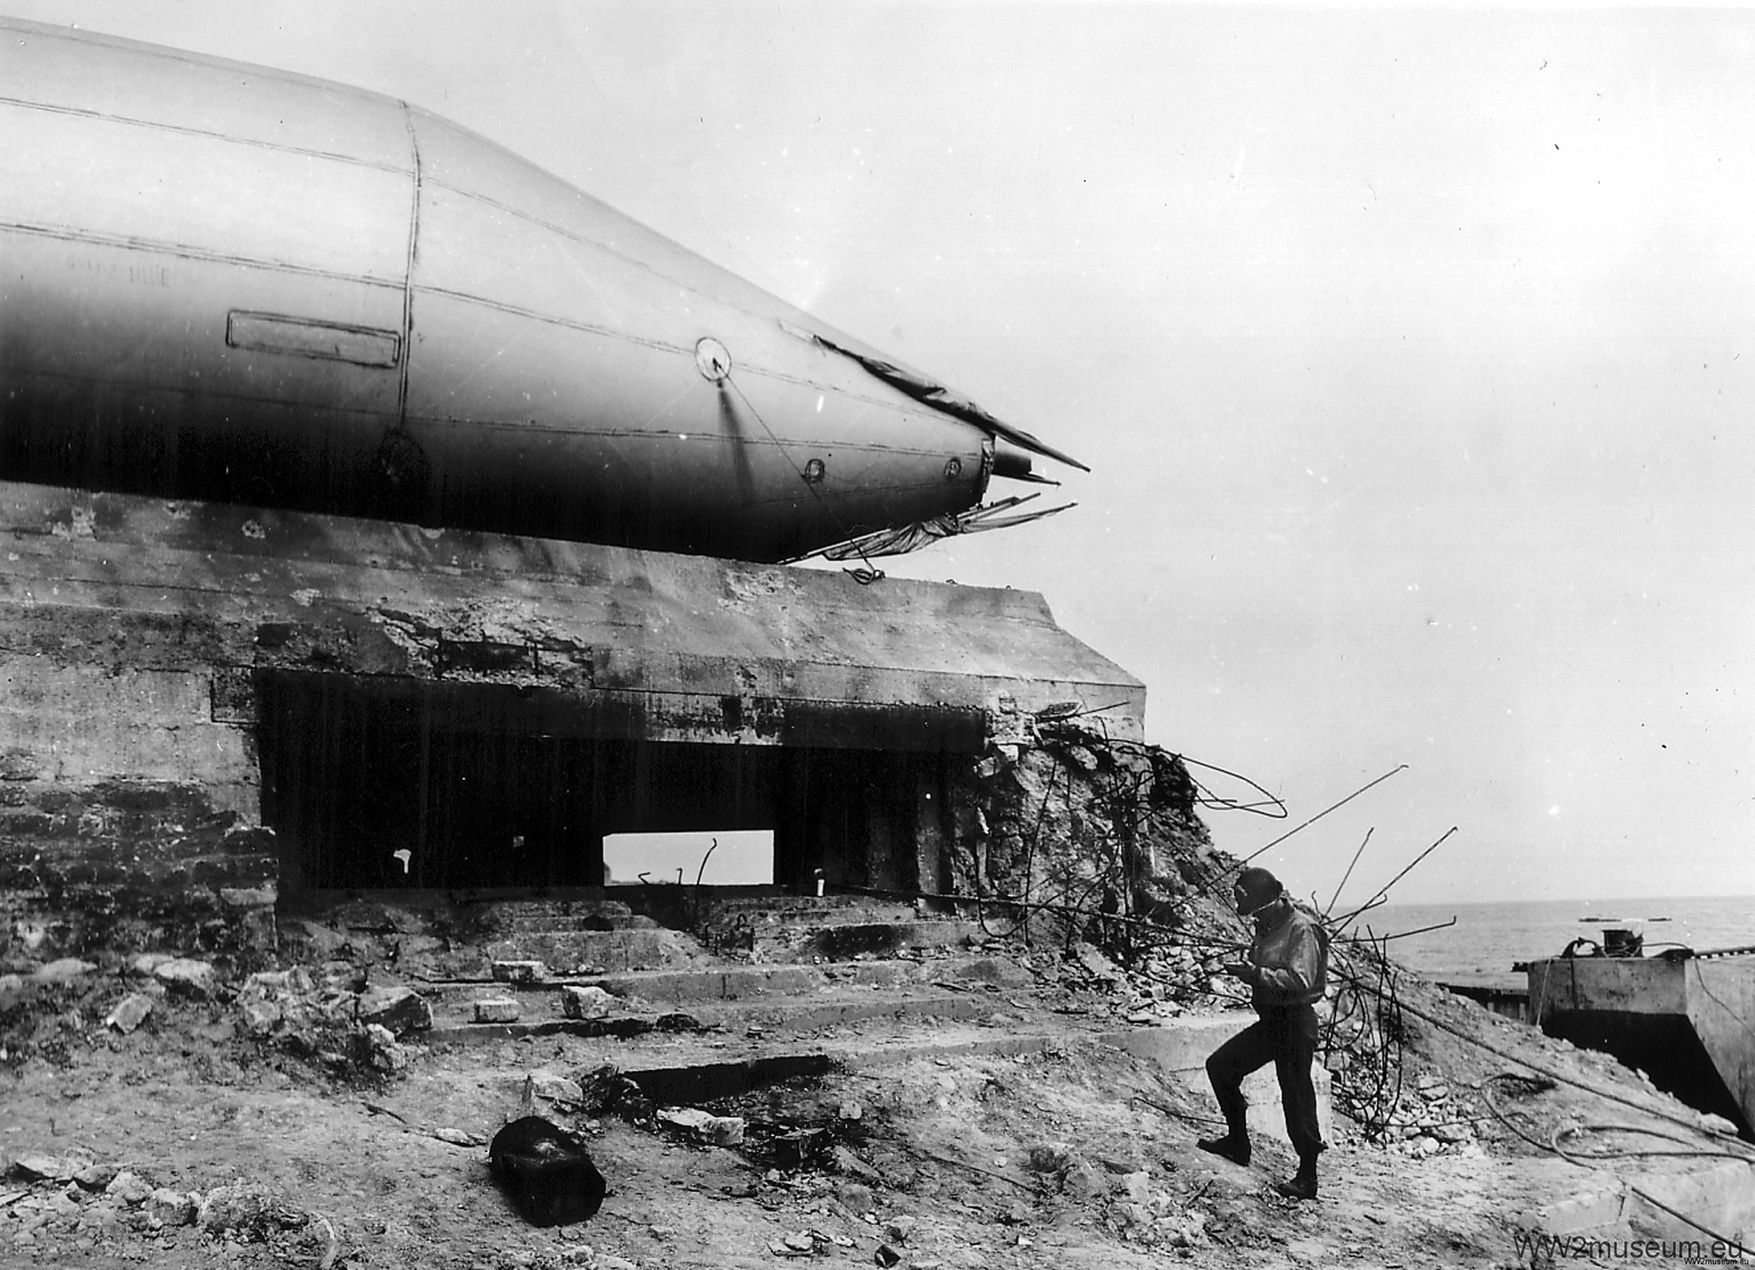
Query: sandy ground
[[1077, 1155]]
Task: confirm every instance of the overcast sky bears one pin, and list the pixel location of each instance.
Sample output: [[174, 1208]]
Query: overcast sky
[[1413, 352]]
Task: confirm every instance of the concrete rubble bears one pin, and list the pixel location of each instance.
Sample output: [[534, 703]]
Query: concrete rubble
[[993, 1100]]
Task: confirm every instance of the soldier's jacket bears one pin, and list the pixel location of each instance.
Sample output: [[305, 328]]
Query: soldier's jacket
[[1290, 954]]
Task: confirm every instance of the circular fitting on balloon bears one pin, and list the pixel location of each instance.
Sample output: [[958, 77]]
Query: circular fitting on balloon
[[713, 359], [953, 468], [814, 471]]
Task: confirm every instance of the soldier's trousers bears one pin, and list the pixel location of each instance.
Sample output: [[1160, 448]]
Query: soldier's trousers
[[1285, 1037]]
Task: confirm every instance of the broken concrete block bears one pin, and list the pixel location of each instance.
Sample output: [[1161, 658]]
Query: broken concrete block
[[721, 1131], [296, 981], [400, 1009], [146, 963], [248, 1212], [260, 1017], [519, 971], [186, 975], [173, 1208], [129, 1187], [856, 1197], [65, 970], [553, 1088], [1083, 1181], [852, 1166], [1136, 1186], [130, 1012], [377, 1048], [585, 1002], [96, 1177], [800, 1243], [1095, 963], [496, 1010], [38, 1166], [549, 1174]]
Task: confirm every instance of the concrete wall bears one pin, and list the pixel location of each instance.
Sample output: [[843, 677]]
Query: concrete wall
[[127, 814], [1721, 1007], [136, 635], [1685, 1023], [1636, 985]]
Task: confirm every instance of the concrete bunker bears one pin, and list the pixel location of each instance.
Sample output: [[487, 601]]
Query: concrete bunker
[[211, 708]]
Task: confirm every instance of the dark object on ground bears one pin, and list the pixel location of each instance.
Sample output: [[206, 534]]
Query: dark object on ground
[[1300, 1186], [1231, 1147], [549, 1175]]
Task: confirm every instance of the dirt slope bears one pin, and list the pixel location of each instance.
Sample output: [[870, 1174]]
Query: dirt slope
[[197, 1145]]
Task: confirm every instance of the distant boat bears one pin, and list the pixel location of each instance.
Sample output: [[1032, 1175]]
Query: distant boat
[[1592, 917]]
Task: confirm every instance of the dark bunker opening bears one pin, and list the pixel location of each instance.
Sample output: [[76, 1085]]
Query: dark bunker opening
[[392, 783]]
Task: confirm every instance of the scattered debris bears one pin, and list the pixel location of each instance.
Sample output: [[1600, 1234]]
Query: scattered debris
[[704, 1126], [186, 975], [547, 1087], [519, 973], [49, 1168], [587, 1002], [496, 1010], [65, 970], [129, 1013], [944, 1157], [400, 1009]]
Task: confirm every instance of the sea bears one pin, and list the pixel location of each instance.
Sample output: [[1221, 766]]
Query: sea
[[1476, 944]]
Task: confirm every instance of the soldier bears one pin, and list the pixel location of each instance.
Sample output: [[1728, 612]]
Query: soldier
[[1287, 973]]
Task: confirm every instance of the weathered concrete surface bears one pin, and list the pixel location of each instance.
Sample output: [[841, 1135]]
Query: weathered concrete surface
[[1635, 985], [671, 648], [1609, 1208], [136, 637], [1684, 1021], [1721, 1003]]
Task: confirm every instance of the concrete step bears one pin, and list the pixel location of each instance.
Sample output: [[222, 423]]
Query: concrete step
[[717, 981], [511, 916], [733, 982], [801, 910], [790, 997], [770, 1017], [596, 951], [848, 940], [776, 903]]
